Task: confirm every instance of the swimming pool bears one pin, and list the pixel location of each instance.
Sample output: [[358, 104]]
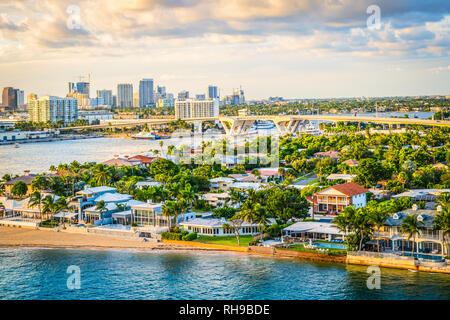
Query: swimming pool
[[330, 245]]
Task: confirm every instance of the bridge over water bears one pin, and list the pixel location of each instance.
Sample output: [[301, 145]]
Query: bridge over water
[[285, 123]]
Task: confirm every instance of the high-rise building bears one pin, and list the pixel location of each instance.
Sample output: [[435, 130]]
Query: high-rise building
[[125, 95], [83, 100], [30, 97], [165, 102], [161, 91], [191, 108], [9, 99], [183, 95], [80, 87], [146, 98], [201, 96], [136, 100], [106, 95], [53, 109], [20, 96], [213, 92]]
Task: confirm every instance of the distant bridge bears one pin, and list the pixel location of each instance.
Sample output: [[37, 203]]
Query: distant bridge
[[285, 124]]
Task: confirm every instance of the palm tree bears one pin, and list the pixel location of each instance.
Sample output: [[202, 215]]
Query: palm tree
[[412, 227], [36, 200], [171, 209], [48, 205], [378, 218], [261, 218], [60, 205], [101, 207], [442, 222], [102, 175]]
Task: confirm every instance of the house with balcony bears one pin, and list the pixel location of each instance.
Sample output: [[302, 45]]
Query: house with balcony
[[149, 217], [428, 241], [336, 198]]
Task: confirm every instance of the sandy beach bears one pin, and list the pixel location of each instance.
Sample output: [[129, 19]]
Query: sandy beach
[[24, 237]]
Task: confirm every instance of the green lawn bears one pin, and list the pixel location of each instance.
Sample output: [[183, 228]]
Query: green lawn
[[225, 240], [300, 247]]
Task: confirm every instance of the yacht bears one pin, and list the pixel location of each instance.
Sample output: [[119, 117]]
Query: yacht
[[145, 136]]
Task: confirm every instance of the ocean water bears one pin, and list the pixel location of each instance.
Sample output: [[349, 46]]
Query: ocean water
[[34, 273]]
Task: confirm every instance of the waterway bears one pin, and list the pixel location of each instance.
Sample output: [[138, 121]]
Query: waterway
[[32, 273]]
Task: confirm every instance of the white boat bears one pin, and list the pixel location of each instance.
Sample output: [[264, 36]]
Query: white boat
[[145, 135], [311, 130], [264, 125]]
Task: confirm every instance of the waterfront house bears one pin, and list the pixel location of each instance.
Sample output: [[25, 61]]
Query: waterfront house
[[122, 162], [222, 183], [428, 241], [336, 198], [314, 230], [214, 227], [27, 178], [150, 215]]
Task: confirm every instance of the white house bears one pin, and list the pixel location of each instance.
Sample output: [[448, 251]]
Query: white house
[[214, 227]]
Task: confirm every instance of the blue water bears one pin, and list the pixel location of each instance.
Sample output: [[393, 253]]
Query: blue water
[[41, 274], [330, 245]]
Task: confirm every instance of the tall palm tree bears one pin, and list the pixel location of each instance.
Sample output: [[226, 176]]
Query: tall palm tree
[[101, 207], [412, 227], [102, 175], [49, 205], [442, 222], [36, 200], [170, 209], [378, 218]]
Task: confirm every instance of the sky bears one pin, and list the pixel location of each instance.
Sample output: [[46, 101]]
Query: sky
[[288, 48]]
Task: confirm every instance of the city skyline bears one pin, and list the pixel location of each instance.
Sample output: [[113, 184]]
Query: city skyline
[[294, 49]]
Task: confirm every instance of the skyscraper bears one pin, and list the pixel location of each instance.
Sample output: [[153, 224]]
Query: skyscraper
[[20, 96], [213, 92], [80, 87], [106, 95], [53, 109], [183, 95], [124, 95], [146, 98], [9, 99]]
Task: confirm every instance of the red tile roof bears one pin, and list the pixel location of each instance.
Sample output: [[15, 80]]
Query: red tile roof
[[350, 189], [143, 159]]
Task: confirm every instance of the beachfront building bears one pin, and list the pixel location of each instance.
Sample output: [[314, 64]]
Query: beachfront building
[[428, 241], [191, 108], [215, 227], [334, 199], [53, 109], [150, 215], [314, 230]]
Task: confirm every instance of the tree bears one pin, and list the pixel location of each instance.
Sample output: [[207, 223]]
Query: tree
[[412, 227], [36, 200], [101, 207], [19, 189], [49, 206], [234, 224], [284, 204], [442, 222], [378, 218], [171, 210], [369, 172], [402, 178], [224, 212]]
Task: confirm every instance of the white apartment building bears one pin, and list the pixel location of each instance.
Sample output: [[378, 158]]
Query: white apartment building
[[191, 108], [53, 109]]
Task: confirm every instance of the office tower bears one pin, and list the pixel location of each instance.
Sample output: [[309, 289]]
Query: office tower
[[95, 102], [106, 95], [237, 97], [20, 97], [183, 95], [124, 95], [200, 97], [83, 87], [9, 99], [53, 109], [191, 108], [161, 91], [146, 98], [213, 92]]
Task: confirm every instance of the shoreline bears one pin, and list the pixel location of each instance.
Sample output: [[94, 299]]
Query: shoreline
[[13, 237]]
